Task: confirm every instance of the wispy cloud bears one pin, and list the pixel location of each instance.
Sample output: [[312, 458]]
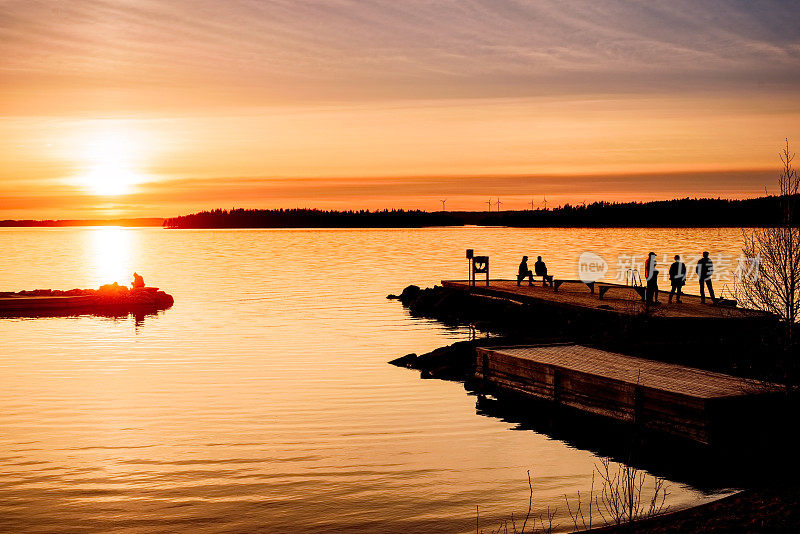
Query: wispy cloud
[[288, 49]]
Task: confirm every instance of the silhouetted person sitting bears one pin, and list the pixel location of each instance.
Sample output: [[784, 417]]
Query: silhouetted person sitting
[[138, 281], [541, 270], [524, 272], [677, 277], [705, 270], [651, 279]]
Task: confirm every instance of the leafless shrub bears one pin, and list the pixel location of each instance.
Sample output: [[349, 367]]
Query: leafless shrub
[[626, 495], [578, 513], [530, 501], [770, 281], [621, 499], [547, 529], [546, 516]]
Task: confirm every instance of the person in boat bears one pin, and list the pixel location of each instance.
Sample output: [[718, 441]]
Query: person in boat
[[540, 268], [705, 270], [524, 272], [677, 278], [651, 279], [138, 281]]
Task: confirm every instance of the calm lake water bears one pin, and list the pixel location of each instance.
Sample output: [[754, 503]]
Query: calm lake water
[[262, 399]]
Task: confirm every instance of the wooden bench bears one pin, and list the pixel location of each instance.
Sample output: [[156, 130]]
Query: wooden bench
[[603, 289], [540, 277], [557, 284]]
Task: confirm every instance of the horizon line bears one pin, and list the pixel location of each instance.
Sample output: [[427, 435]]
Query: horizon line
[[153, 219]]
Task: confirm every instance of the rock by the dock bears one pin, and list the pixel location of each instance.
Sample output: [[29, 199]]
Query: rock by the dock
[[409, 293], [405, 361], [459, 307], [452, 361]]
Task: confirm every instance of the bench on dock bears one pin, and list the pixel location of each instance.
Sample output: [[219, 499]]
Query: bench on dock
[[691, 403], [604, 288], [557, 283], [537, 277]]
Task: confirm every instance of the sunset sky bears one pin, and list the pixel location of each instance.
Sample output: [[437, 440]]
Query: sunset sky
[[160, 108]]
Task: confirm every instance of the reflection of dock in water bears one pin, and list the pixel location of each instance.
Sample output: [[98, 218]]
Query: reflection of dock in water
[[707, 468], [699, 405]]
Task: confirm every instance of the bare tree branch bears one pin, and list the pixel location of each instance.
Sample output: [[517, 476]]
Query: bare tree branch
[[770, 281]]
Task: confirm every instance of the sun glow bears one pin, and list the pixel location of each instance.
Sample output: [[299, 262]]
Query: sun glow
[[111, 156], [112, 254]]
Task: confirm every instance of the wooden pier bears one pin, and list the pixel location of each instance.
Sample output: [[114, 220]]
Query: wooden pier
[[604, 297], [690, 403]]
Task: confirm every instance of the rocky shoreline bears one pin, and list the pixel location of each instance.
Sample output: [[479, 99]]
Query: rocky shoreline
[[773, 509], [738, 351]]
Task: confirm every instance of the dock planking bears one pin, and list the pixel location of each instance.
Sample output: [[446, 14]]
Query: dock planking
[[617, 299], [691, 403]]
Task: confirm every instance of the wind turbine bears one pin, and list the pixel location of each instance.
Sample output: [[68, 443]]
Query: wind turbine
[[531, 204], [498, 203], [490, 204], [545, 203], [443, 201]]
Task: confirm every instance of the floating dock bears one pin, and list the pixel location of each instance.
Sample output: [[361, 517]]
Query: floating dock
[[699, 405], [106, 300]]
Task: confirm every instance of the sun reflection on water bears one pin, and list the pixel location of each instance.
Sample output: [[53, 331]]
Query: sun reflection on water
[[111, 247]]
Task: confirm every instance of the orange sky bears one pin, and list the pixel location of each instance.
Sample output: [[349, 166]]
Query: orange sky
[[154, 108]]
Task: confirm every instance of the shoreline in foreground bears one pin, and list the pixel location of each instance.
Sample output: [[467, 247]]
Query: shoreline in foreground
[[769, 509]]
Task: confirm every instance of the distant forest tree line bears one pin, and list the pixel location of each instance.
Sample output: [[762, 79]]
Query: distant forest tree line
[[686, 212], [47, 223]]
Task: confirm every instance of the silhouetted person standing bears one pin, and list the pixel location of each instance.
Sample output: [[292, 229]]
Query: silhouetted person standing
[[541, 270], [524, 272], [651, 279], [677, 277], [705, 270], [138, 281]]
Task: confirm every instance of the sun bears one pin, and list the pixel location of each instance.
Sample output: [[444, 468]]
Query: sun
[[110, 180], [110, 155]]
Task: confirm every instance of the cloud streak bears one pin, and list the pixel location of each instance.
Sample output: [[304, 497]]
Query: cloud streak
[[327, 50]]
